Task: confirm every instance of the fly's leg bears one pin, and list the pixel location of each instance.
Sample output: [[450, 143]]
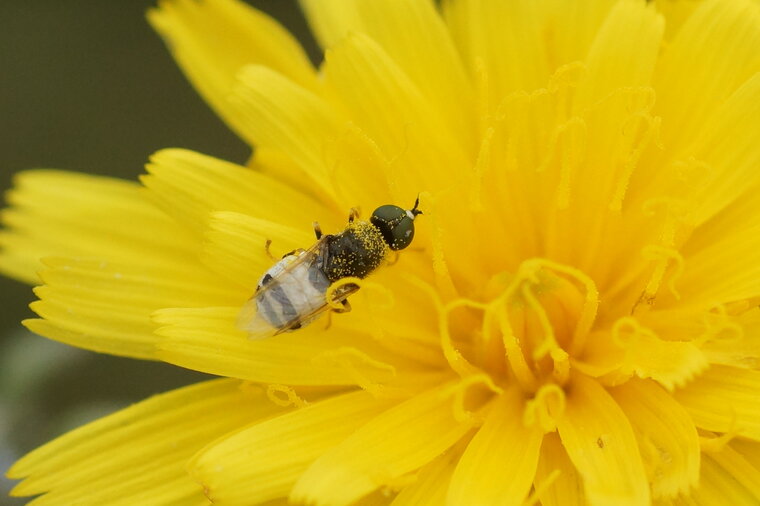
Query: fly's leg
[[394, 259], [346, 307], [328, 319], [317, 230], [353, 214], [296, 251], [268, 251]]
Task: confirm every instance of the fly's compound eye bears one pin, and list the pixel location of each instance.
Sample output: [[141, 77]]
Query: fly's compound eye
[[395, 224]]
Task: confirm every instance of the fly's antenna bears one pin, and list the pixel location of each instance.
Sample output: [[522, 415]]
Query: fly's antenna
[[414, 210]]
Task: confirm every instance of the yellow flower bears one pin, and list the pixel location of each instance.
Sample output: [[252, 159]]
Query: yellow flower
[[575, 323]]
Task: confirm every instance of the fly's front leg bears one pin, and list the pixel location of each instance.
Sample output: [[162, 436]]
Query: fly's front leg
[[353, 214], [317, 230]]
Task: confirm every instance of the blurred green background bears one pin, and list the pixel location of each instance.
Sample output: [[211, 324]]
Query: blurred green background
[[86, 85]]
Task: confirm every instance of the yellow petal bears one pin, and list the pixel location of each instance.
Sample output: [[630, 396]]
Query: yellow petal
[[718, 48], [409, 31], [106, 306], [484, 476], [139, 454], [670, 363], [278, 114], [212, 39], [330, 20], [724, 399], [749, 450], [191, 186], [398, 441], [676, 12], [383, 101], [503, 40], [208, 340], [431, 483], [573, 26], [741, 469], [624, 52], [739, 344], [611, 108], [725, 151], [718, 484], [263, 461], [234, 238], [557, 482], [666, 435], [601, 444], [56, 213]]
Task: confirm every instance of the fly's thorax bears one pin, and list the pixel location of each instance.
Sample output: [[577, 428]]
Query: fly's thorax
[[357, 251]]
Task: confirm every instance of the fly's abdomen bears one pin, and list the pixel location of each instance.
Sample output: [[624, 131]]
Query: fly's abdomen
[[293, 296]]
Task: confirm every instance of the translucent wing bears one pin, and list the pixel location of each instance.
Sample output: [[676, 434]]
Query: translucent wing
[[293, 296]]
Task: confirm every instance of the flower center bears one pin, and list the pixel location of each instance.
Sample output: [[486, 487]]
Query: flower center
[[533, 322]]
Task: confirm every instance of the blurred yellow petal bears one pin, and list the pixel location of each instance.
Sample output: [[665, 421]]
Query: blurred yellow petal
[[498, 465], [52, 215], [396, 442], [212, 39], [106, 306], [724, 399], [139, 454], [666, 435], [601, 444], [263, 461], [330, 20]]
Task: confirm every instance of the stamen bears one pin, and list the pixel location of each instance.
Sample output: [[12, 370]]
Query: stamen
[[571, 139], [720, 327], [638, 143], [461, 413], [546, 407], [440, 268], [590, 302], [453, 356], [481, 165], [662, 256], [716, 443], [274, 393], [347, 358], [523, 374], [455, 359]]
